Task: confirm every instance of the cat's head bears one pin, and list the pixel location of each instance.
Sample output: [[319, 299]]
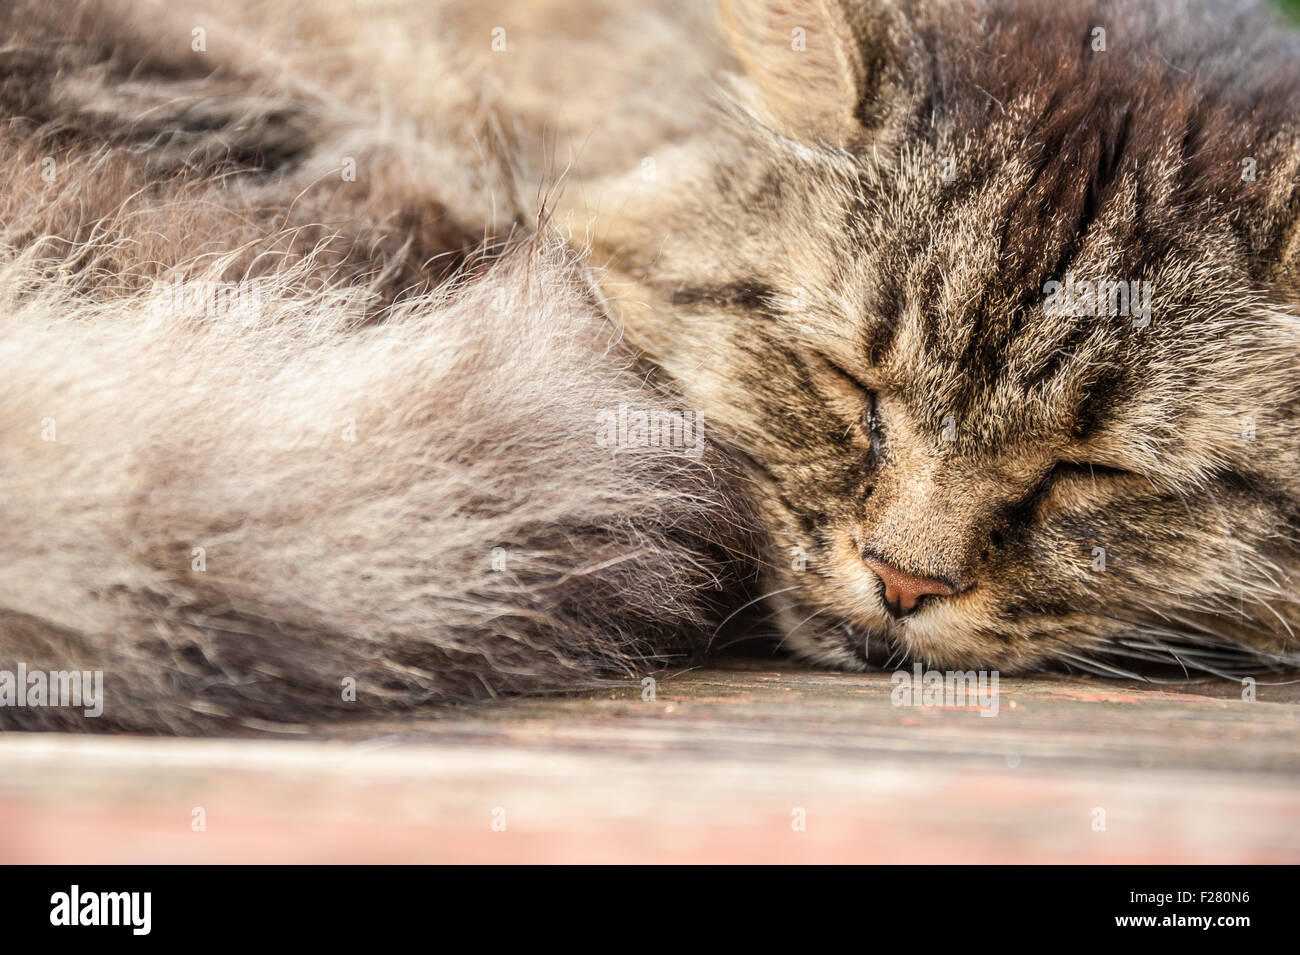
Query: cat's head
[[996, 302]]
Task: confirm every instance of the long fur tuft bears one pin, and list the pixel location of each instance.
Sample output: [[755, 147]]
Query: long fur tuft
[[232, 518]]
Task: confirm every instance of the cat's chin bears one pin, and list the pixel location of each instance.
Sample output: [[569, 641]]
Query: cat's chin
[[931, 637], [847, 646], [829, 640], [877, 650]]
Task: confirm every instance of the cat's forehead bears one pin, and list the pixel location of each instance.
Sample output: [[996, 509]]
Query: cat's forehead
[[1037, 380], [1035, 274], [1143, 366]]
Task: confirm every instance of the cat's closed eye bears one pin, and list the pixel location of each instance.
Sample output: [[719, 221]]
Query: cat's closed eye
[[1076, 471], [847, 376], [1065, 477], [1080, 476], [852, 397]]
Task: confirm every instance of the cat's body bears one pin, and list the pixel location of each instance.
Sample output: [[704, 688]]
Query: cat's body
[[252, 469], [844, 274]]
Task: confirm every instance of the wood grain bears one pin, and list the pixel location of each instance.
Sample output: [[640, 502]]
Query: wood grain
[[714, 769]]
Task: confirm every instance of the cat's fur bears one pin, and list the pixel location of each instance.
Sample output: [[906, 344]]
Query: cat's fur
[[778, 259], [336, 492], [846, 275]]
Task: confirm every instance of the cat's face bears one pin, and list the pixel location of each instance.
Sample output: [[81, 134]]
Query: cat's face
[[961, 456]]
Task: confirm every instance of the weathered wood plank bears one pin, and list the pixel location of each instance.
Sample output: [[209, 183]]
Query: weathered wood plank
[[716, 768]]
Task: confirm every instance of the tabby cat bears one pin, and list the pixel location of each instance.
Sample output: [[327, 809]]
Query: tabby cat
[[983, 314]]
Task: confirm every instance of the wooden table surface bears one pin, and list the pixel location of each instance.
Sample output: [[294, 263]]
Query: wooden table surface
[[722, 766]]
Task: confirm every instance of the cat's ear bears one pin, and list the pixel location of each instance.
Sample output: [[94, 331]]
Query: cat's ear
[[820, 67]]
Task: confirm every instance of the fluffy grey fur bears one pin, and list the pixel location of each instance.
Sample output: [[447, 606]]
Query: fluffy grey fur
[[340, 483], [421, 505]]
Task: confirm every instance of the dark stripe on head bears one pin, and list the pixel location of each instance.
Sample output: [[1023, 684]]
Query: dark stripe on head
[[748, 296]]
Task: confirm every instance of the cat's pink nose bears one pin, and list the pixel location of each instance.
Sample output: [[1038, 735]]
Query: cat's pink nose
[[904, 591]]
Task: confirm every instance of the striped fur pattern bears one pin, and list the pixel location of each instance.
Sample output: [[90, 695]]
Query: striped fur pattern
[[858, 273]]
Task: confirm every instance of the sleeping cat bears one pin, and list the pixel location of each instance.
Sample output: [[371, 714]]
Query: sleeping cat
[[984, 311], [996, 303]]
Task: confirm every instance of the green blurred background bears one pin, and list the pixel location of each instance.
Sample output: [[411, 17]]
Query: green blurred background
[[1292, 7]]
